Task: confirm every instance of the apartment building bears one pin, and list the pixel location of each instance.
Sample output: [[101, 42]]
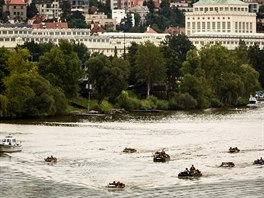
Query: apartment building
[[16, 9]]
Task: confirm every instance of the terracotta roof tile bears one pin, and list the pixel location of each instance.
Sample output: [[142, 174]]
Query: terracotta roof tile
[[16, 2], [97, 29], [150, 30], [50, 25]]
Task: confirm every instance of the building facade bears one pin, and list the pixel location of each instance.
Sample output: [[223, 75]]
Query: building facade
[[80, 5], [106, 43], [220, 16], [49, 8], [100, 18], [222, 21], [16, 9]]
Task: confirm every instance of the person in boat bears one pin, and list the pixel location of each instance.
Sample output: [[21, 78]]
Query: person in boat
[[187, 171], [192, 169]]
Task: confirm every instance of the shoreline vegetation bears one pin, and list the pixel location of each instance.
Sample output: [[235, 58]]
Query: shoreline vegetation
[[79, 106], [47, 79]]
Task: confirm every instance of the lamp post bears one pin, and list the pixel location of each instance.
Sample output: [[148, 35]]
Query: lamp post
[[124, 45], [89, 88]]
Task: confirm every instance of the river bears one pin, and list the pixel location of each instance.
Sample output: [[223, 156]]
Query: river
[[89, 152]]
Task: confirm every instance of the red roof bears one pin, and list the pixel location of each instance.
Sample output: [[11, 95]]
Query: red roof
[[16, 2], [97, 29], [150, 30], [50, 25], [173, 30]]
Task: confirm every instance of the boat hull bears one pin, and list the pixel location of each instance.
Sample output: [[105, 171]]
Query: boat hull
[[10, 149], [161, 159], [189, 175]]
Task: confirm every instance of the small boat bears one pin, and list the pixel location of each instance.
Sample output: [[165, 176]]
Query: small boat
[[259, 95], [10, 145], [186, 174], [259, 162], [51, 159], [116, 185], [233, 150], [252, 101], [129, 150], [227, 164], [161, 156]]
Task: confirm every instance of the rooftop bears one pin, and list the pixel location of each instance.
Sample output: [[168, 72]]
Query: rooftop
[[206, 2], [16, 2]]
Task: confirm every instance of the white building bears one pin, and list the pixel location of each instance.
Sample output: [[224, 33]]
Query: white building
[[105, 43], [118, 4], [223, 21], [220, 16], [118, 15]]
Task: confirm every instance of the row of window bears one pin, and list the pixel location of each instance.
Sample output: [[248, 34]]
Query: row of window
[[50, 10], [218, 26], [221, 9], [17, 7], [14, 32], [49, 6], [229, 42], [243, 27], [18, 13], [204, 18]]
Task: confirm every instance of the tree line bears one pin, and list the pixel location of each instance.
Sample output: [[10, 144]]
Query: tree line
[[37, 79]]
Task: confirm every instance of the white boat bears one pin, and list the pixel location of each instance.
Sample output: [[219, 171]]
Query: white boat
[[252, 101], [9, 145]]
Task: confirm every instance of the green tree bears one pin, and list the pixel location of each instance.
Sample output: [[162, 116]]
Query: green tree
[[108, 77], [126, 23], [66, 10], [175, 48], [137, 19], [4, 55], [150, 65], [256, 60], [37, 49], [82, 51], [62, 67], [224, 74], [194, 81], [77, 20], [32, 10], [241, 53], [165, 8], [250, 78], [3, 15], [27, 92], [3, 106], [131, 57], [150, 5]]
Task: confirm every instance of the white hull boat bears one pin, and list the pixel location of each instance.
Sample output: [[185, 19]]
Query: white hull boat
[[10, 145]]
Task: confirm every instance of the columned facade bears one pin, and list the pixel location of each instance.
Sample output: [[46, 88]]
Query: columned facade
[[223, 16]]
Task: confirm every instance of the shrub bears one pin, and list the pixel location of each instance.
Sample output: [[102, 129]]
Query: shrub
[[162, 104], [127, 102], [182, 101], [3, 105], [105, 107], [216, 103], [147, 104], [242, 101]]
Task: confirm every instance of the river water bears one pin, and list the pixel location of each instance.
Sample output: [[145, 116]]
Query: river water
[[89, 152]]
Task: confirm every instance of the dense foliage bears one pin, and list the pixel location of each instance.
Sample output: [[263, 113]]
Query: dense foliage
[[37, 78]]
